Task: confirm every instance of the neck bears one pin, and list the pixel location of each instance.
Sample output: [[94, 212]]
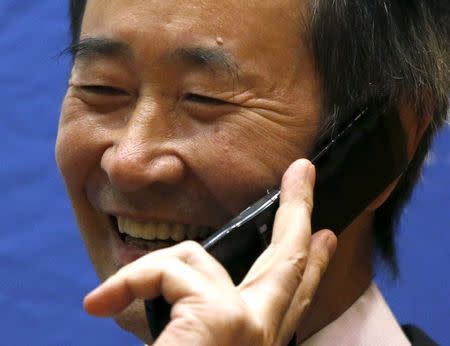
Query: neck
[[347, 277]]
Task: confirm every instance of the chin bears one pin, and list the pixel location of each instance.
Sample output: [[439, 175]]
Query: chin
[[134, 321]]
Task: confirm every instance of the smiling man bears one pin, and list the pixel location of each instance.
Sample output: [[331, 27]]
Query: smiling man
[[179, 114]]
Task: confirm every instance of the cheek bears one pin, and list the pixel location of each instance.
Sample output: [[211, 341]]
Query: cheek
[[69, 155], [238, 160], [78, 147]]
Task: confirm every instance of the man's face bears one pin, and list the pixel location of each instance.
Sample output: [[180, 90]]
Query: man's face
[[178, 115]]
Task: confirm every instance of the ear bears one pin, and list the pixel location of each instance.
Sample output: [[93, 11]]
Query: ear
[[414, 128]]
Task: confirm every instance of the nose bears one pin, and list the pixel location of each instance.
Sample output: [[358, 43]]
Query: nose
[[140, 155]]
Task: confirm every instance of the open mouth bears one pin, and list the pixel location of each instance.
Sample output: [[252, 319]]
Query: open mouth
[[151, 235]]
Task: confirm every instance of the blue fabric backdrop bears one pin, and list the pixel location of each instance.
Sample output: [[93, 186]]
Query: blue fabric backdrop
[[45, 271]]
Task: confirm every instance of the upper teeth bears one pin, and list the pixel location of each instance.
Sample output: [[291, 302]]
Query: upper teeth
[[161, 231]]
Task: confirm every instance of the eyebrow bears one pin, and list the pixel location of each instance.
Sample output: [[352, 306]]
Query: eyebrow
[[90, 47], [214, 58]]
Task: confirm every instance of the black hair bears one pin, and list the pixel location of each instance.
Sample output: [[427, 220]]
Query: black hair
[[396, 51], [76, 13], [366, 50]]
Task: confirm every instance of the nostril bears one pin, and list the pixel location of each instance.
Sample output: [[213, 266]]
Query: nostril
[[168, 169], [131, 171]]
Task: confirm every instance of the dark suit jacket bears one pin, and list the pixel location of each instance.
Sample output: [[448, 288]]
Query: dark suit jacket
[[416, 336]]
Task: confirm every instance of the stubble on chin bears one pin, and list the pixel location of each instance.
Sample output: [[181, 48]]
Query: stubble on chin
[[133, 320]]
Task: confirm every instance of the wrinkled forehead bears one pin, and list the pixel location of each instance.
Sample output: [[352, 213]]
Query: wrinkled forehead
[[226, 16], [265, 32]]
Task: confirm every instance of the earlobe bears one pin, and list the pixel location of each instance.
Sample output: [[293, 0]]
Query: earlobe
[[414, 127]]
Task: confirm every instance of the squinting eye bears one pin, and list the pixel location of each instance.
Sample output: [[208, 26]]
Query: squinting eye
[[103, 90], [205, 100]]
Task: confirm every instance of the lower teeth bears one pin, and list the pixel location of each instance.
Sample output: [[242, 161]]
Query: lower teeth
[[145, 244]]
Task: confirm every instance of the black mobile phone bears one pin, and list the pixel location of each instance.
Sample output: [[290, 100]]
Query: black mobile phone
[[352, 169]]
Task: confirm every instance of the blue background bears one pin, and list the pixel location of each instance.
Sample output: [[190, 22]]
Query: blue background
[[45, 271]]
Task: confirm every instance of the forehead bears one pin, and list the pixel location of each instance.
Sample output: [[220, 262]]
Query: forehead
[[263, 33], [230, 16]]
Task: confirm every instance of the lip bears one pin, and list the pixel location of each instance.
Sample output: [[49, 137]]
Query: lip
[[141, 218], [124, 254]]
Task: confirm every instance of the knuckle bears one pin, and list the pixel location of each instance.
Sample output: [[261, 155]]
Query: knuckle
[[190, 324], [246, 328], [238, 318], [258, 334], [303, 204], [298, 262], [304, 305], [306, 203], [122, 272], [191, 246], [320, 262], [190, 249]]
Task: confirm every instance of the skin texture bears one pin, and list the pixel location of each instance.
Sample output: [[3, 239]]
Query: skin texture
[[149, 150], [207, 308]]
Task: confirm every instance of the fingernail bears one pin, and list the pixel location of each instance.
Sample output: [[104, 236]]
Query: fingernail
[[311, 173], [306, 170]]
